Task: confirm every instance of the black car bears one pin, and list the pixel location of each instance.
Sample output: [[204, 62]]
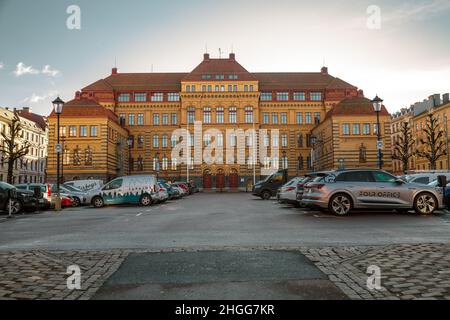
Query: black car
[[268, 187], [21, 199]]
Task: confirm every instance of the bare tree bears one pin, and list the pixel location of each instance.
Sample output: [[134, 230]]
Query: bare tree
[[433, 146], [12, 148], [403, 146]]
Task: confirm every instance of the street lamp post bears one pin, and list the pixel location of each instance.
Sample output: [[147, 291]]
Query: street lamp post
[[130, 144], [58, 106], [313, 141], [377, 105]]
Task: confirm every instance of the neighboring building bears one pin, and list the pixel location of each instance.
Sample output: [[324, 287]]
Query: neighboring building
[[347, 138], [94, 143], [31, 168], [223, 95], [398, 118], [441, 110]]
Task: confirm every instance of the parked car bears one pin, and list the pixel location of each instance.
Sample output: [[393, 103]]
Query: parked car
[[85, 185], [183, 186], [173, 192], [45, 201], [78, 196], [192, 187], [22, 199], [287, 193], [424, 177], [311, 177], [345, 190], [162, 195], [268, 187], [180, 190], [139, 189]]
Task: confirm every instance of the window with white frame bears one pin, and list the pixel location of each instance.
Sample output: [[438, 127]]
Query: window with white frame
[[140, 97], [232, 115], [266, 96], [282, 96], [315, 96], [248, 115], [299, 96], [157, 97], [219, 115], [207, 115]]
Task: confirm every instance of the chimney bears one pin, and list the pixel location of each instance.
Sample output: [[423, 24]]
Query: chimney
[[78, 95], [26, 109], [114, 71], [435, 99], [361, 93], [324, 70], [206, 57], [445, 98], [232, 56]]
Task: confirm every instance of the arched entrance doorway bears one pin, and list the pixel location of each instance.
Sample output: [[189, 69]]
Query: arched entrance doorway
[[207, 179], [220, 180], [234, 179]]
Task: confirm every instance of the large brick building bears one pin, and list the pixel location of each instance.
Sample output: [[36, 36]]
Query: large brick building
[[223, 95]]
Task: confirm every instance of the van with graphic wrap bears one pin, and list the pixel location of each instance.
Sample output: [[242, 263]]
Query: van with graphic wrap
[[140, 189], [85, 185]]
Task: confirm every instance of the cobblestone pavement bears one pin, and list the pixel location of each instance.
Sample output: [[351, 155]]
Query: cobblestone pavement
[[41, 274], [408, 272]]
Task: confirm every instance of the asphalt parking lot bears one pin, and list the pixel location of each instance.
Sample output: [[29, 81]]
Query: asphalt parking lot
[[215, 220]]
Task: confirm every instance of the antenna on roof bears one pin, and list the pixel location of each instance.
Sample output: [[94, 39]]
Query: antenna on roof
[[220, 53]]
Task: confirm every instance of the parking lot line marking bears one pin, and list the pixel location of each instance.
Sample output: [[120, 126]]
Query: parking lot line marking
[[139, 214]]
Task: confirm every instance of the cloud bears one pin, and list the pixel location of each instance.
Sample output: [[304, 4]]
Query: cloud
[[34, 98], [49, 71], [22, 69]]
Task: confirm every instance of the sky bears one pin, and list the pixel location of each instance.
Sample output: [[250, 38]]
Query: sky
[[404, 56]]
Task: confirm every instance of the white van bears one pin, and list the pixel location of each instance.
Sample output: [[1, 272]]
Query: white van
[[85, 185], [141, 189]]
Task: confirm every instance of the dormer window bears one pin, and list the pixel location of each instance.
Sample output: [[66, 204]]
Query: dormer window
[[220, 77], [158, 97], [206, 76], [124, 97], [233, 77]]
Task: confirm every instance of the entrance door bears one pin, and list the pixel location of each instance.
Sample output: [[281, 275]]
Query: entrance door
[[234, 180], [207, 180], [220, 181]]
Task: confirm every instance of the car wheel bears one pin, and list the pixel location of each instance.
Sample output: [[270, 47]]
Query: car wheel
[[145, 200], [98, 202], [76, 202], [16, 206], [425, 203], [266, 195], [340, 204]]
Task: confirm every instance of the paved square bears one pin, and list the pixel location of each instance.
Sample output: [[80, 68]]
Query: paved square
[[224, 246]]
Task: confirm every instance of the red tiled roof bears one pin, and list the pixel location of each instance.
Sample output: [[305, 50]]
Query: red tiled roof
[[356, 106], [298, 80], [38, 119], [139, 81], [83, 108], [219, 67], [172, 81]]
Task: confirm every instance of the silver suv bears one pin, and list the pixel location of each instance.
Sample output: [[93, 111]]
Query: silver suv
[[342, 191]]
